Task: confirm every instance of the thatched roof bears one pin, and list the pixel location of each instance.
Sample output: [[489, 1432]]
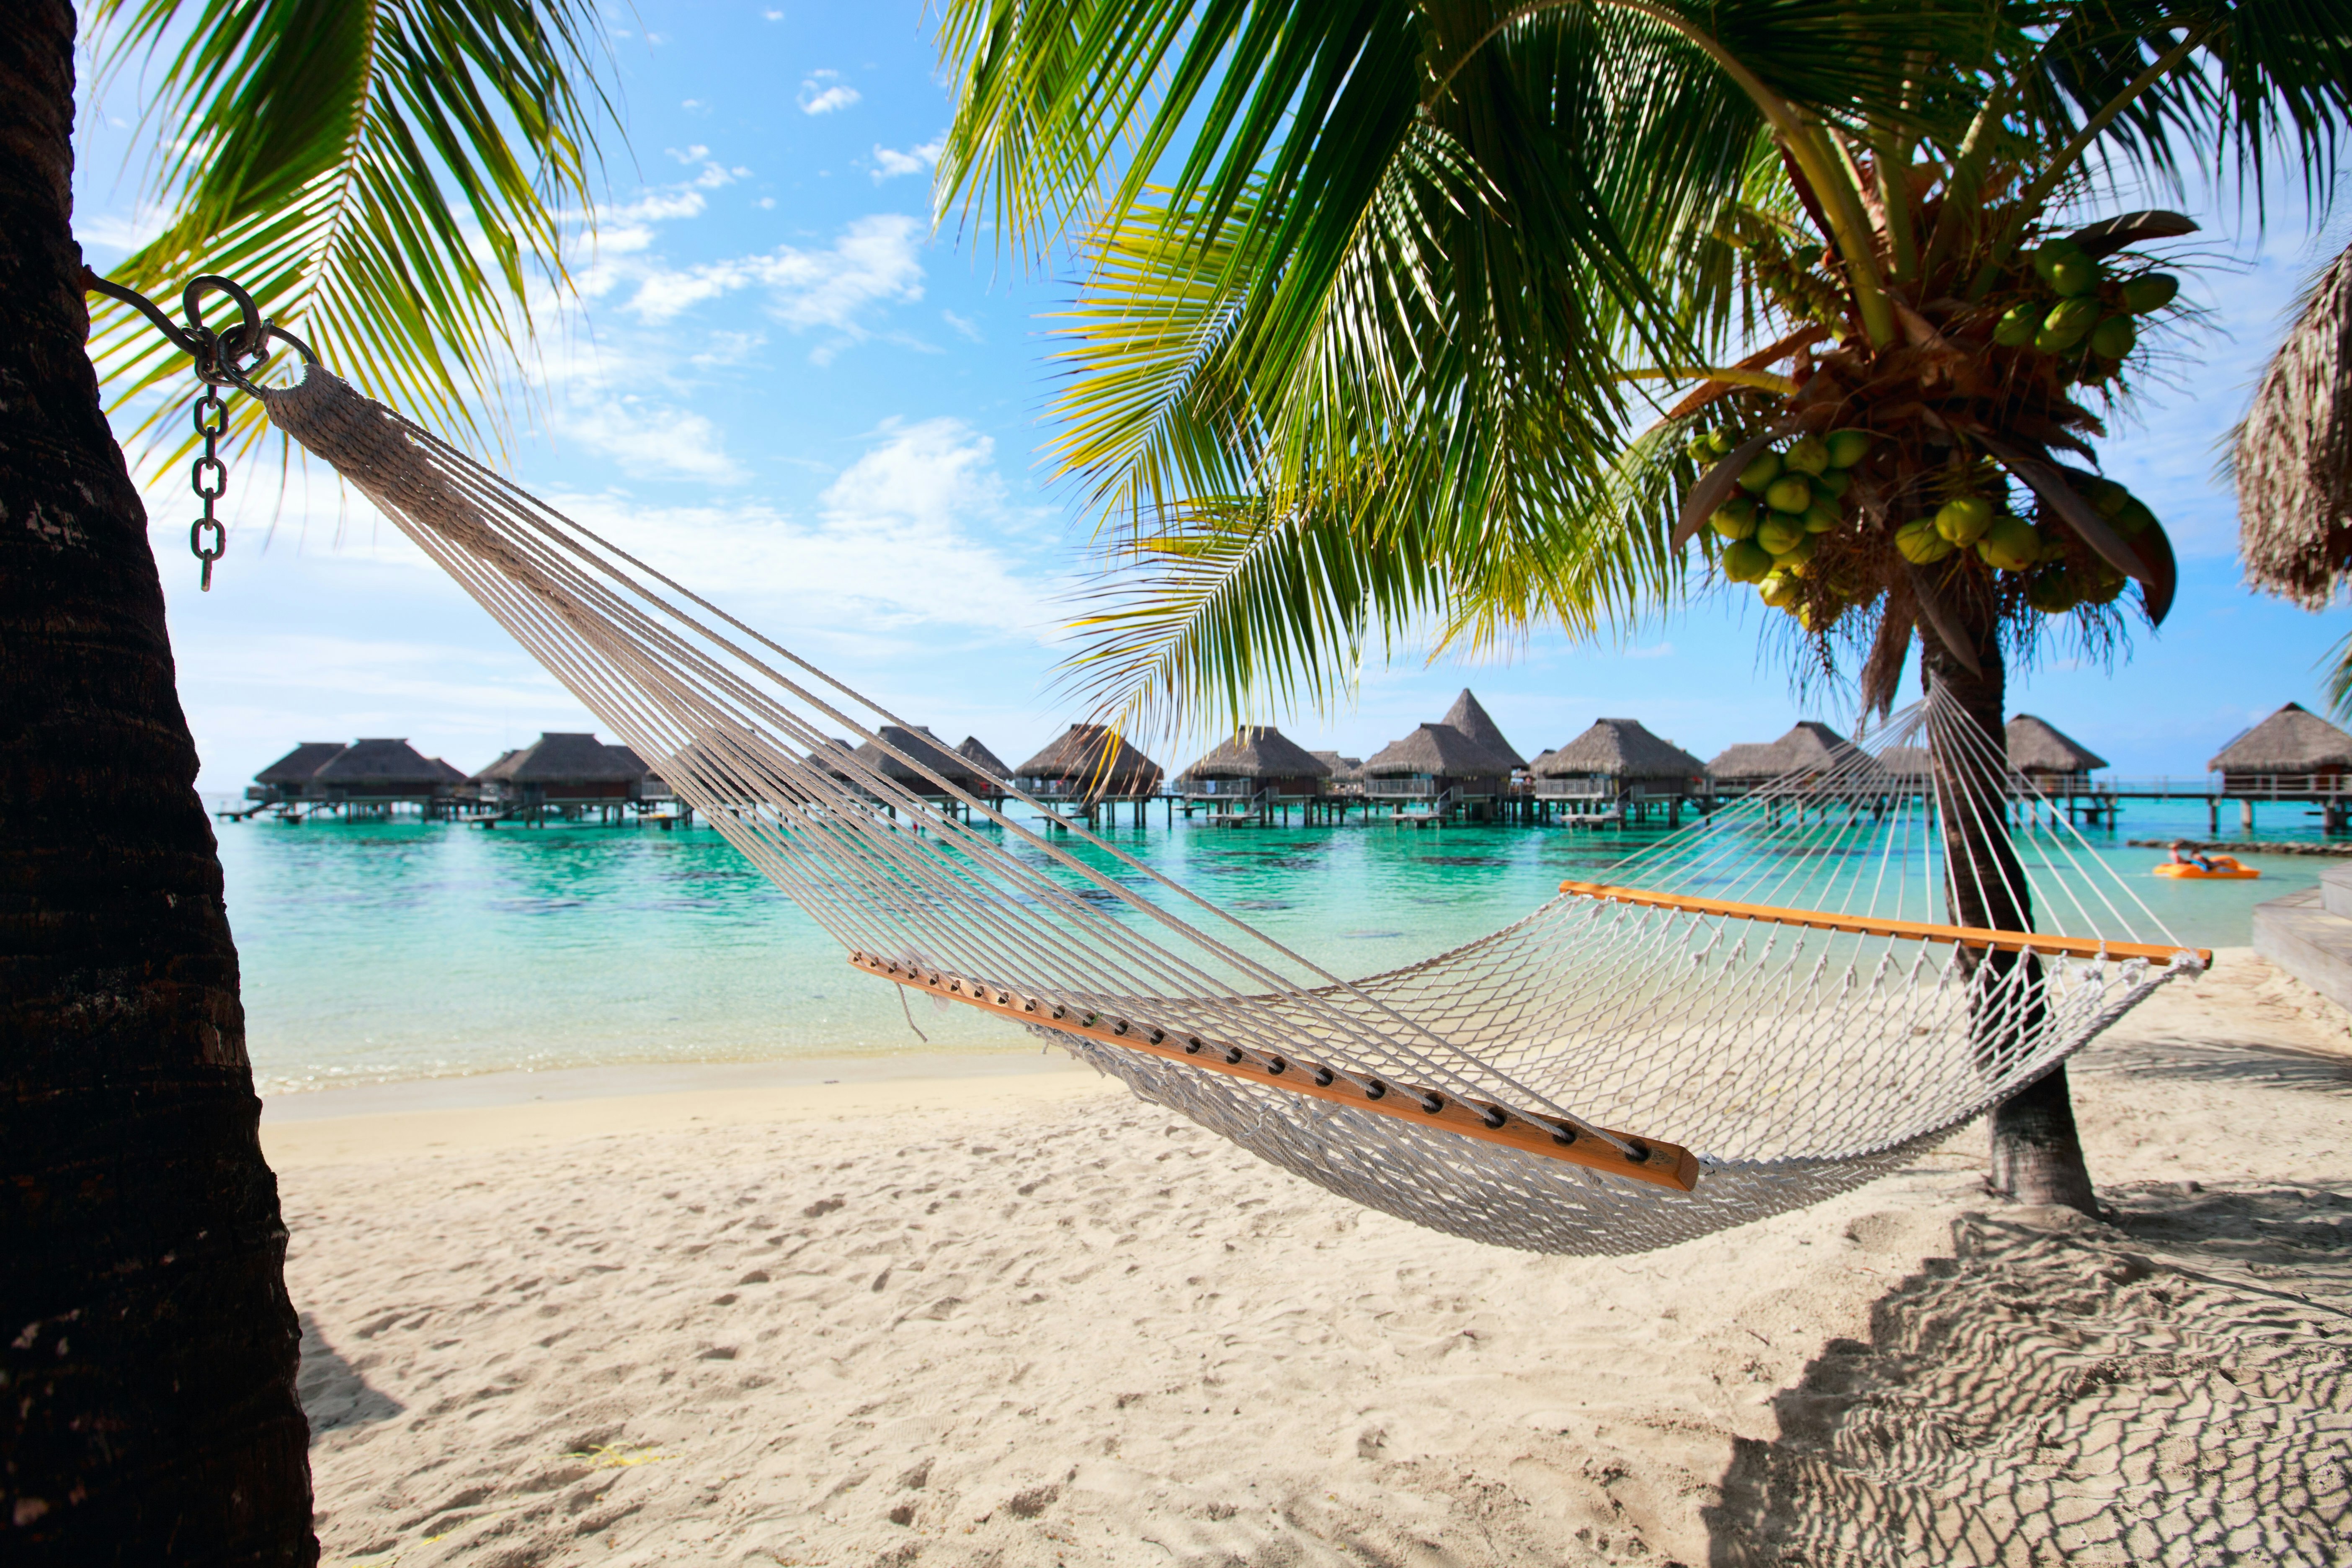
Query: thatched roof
[[1258, 752], [380, 765], [1808, 747], [1436, 751], [919, 743], [2037, 746], [296, 765], [1341, 767], [1077, 756], [2292, 741], [1906, 761], [449, 775], [559, 757], [2293, 456], [1466, 716], [1619, 749], [981, 757]]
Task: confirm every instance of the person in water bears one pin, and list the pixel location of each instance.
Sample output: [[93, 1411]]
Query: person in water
[[2185, 854]]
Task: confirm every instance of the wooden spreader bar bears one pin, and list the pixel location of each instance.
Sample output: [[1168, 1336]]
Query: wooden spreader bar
[[1662, 1164], [1865, 925]]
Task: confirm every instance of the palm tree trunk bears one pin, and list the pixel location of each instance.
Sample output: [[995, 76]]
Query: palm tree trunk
[[2037, 1156], [147, 1344]]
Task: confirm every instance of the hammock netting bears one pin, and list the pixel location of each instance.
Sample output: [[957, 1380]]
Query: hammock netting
[[1537, 1089]]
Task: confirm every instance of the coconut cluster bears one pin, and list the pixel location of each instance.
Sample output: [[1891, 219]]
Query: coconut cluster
[[2058, 575], [1794, 494], [2082, 307]]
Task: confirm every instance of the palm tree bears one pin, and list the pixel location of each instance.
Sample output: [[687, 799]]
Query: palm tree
[[1375, 302], [339, 156]]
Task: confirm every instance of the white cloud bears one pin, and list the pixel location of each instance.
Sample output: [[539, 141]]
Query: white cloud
[[121, 231], [889, 164], [650, 442], [873, 263], [824, 91], [964, 327]]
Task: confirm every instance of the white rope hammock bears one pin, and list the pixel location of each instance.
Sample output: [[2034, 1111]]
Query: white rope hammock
[[1754, 1014]]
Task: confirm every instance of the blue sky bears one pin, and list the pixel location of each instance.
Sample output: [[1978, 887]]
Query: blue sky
[[783, 386]]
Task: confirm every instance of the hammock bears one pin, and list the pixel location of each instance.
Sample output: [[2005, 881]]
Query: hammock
[[1752, 1014]]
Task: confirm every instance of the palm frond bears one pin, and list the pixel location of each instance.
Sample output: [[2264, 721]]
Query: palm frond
[[390, 179]]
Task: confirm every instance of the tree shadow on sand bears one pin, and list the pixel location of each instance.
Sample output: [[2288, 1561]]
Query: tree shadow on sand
[[2169, 1388], [334, 1393]]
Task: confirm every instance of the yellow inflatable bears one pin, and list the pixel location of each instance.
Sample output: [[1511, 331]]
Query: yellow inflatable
[[2225, 868]]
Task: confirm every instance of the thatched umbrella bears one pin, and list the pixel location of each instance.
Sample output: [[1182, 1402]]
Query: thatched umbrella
[[2293, 456], [2292, 741], [2037, 747], [1468, 717], [291, 773], [1262, 756], [1441, 753], [1093, 762], [1619, 749], [1809, 747]]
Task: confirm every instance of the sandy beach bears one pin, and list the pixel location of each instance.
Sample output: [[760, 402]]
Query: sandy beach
[[991, 1309]]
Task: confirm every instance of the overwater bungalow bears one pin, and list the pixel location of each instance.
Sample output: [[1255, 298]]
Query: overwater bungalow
[[1467, 716], [290, 776], [1254, 773], [371, 777], [1347, 774], [1808, 751], [1615, 769], [2053, 761], [988, 773], [1090, 766], [2293, 755], [568, 773], [923, 746], [1438, 770]]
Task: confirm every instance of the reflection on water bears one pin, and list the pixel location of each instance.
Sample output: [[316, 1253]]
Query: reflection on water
[[394, 951]]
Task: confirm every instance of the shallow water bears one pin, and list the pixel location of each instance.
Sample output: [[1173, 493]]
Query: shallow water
[[380, 951]]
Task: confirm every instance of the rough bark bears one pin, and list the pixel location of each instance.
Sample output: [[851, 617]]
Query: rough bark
[[2037, 1156], [147, 1344]]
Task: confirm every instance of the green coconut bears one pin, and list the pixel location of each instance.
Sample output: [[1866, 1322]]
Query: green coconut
[[2099, 584], [1833, 483], [2050, 590], [1778, 533], [2016, 325], [1779, 589], [1808, 455], [2074, 276], [1820, 517], [1797, 554], [2010, 544], [1746, 561], [1761, 471], [1848, 448], [1789, 493], [1964, 519], [2050, 253], [2068, 322], [1734, 519], [2150, 291], [1921, 543], [2113, 338]]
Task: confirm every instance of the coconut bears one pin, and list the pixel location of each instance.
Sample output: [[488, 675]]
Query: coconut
[[2016, 325], [1778, 533], [2066, 325], [1847, 448], [1920, 542], [1700, 450], [2150, 291], [1734, 519], [1964, 519], [2052, 252], [1797, 554], [1761, 471], [2074, 276], [1819, 517], [1809, 455], [1780, 590], [1746, 561], [2010, 544], [2113, 338], [2050, 592], [2099, 584], [1790, 493], [1832, 482]]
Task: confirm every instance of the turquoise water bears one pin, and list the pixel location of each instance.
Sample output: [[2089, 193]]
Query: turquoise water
[[380, 951]]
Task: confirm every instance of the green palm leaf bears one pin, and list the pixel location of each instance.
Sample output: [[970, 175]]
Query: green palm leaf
[[389, 178]]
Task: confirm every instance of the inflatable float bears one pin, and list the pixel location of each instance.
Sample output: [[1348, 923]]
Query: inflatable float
[[2225, 869]]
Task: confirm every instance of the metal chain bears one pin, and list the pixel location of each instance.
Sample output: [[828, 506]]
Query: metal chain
[[208, 477]]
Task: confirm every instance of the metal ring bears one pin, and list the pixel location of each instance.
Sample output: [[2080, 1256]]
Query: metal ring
[[195, 536], [219, 470]]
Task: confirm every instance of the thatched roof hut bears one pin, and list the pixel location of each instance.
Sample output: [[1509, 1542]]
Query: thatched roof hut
[[2293, 456], [379, 769], [1262, 756], [1092, 761], [1619, 749], [2292, 741], [982, 758], [1809, 747], [922, 745], [2038, 746], [1343, 768], [566, 765], [1468, 717], [289, 774], [1437, 751]]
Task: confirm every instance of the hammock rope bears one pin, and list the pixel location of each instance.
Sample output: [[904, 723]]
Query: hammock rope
[[1748, 1016]]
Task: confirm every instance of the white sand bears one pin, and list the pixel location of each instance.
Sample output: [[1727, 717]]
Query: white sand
[[1020, 1319]]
